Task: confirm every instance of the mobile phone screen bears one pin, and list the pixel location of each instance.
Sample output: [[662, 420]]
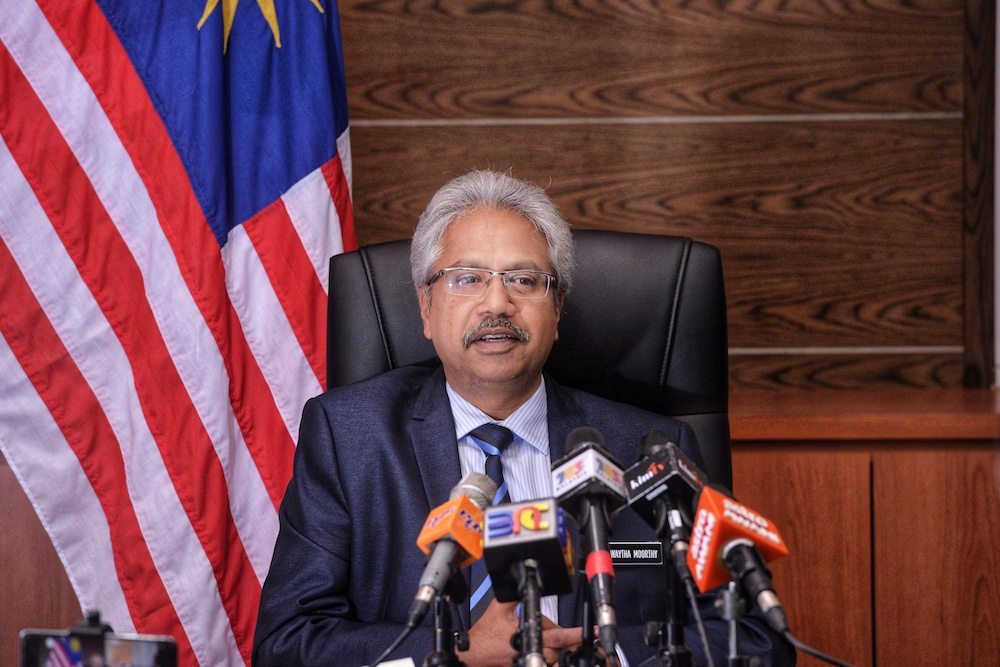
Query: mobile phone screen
[[43, 648]]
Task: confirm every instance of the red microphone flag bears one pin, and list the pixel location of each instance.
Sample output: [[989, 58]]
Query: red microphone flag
[[719, 521]]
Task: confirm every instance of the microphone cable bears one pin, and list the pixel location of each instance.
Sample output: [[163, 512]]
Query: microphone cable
[[407, 631], [685, 576], [813, 652]]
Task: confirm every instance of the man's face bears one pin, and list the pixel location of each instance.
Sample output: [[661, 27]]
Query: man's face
[[477, 359]]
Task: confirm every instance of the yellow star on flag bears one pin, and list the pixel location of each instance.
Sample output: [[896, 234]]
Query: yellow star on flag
[[229, 13]]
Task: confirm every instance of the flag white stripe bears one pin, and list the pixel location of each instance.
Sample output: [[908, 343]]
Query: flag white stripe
[[267, 330], [344, 151], [81, 538], [314, 216], [97, 352], [88, 131]]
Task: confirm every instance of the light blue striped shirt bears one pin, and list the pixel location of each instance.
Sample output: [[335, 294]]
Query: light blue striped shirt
[[527, 467]]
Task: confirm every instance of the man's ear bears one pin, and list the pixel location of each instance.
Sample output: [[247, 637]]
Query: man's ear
[[425, 314], [559, 306]]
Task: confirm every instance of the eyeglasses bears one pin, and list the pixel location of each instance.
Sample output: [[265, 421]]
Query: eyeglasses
[[519, 283]]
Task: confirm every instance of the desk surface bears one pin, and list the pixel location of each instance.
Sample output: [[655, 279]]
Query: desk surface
[[924, 414]]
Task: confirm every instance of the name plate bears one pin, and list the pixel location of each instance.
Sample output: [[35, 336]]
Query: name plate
[[636, 553]]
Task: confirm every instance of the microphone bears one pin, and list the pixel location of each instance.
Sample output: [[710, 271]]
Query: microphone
[[517, 532], [590, 485], [656, 486], [729, 540], [452, 535]]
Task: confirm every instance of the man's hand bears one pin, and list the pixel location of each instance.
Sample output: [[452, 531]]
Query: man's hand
[[489, 638]]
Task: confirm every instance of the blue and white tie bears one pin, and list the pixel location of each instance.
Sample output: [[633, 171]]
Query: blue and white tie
[[493, 439]]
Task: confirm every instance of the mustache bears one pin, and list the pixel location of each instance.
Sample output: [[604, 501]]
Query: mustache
[[496, 323]]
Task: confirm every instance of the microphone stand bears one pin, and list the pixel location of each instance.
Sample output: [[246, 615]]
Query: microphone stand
[[528, 639], [445, 637], [731, 607], [586, 655], [672, 649]]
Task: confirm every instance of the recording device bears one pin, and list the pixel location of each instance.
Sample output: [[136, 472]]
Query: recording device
[[589, 484], [452, 535], [41, 648], [533, 530], [729, 540], [661, 487]]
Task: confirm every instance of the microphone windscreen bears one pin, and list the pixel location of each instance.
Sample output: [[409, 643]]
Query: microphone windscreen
[[583, 436], [460, 519], [477, 487], [653, 442]]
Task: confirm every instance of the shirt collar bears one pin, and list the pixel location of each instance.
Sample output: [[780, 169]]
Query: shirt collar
[[529, 421]]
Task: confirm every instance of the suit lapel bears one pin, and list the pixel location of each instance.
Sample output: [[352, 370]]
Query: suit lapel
[[434, 442], [563, 418], [436, 449]]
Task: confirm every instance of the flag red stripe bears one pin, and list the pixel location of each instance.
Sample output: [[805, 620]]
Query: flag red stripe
[[336, 179], [95, 48], [93, 242], [82, 421], [294, 279]]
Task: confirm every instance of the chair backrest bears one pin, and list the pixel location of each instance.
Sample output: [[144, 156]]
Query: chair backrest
[[644, 324]]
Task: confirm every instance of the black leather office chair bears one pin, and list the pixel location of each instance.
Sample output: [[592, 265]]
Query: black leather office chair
[[644, 324]]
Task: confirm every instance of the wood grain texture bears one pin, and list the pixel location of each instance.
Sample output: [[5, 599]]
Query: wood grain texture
[[582, 58], [845, 372], [980, 196], [889, 414], [819, 500], [34, 587], [936, 539], [832, 234]]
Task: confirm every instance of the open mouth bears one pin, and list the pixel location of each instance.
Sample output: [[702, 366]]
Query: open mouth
[[496, 331]]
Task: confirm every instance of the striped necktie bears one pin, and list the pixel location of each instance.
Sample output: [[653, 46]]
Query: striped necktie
[[493, 439]]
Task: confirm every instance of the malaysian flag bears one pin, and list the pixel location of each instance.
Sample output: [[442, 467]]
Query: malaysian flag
[[174, 176]]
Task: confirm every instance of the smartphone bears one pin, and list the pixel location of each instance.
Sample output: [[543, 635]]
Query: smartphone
[[40, 648]]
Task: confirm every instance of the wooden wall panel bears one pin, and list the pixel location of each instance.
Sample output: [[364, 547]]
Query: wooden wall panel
[[34, 589], [936, 519], [846, 370], [979, 138], [819, 145], [838, 234], [824, 584], [571, 58]]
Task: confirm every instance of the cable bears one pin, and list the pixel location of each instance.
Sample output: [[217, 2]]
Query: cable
[[689, 584], [813, 652], [407, 631]]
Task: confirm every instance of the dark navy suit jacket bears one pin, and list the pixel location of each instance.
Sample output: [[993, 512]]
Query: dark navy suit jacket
[[373, 459]]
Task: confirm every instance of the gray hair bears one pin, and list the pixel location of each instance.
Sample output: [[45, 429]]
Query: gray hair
[[491, 190]]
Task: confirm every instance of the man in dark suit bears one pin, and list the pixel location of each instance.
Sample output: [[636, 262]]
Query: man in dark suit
[[492, 261]]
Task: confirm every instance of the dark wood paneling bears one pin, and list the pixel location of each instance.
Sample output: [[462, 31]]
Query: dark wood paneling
[[937, 518], [511, 59], [34, 589], [834, 234], [846, 371], [840, 222], [852, 185], [980, 197], [824, 584]]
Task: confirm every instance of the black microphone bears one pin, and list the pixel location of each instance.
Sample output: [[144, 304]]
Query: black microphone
[[527, 531], [589, 484], [661, 487], [453, 538]]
